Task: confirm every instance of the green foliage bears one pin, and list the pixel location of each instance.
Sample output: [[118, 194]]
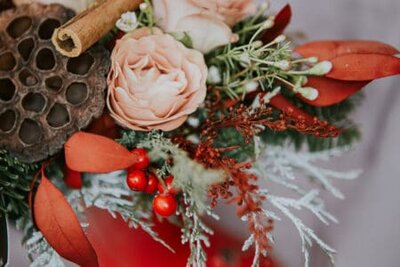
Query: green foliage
[[231, 137], [15, 183]]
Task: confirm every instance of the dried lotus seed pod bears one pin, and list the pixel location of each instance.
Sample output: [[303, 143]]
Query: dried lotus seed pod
[[5, 4], [44, 96]]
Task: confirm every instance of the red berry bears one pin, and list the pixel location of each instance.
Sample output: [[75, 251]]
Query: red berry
[[142, 158], [168, 182], [136, 180], [152, 184], [164, 205], [72, 179]]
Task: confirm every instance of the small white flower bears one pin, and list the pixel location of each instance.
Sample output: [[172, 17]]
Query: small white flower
[[128, 22], [321, 68], [194, 122], [282, 64], [269, 23], [281, 38], [308, 93], [143, 6], [257, 44], [245, 59], [251, 86], [312, 60], [214, 76]]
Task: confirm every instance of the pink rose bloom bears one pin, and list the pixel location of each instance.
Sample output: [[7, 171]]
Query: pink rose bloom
[[232, 11], [207, 22], [155, 82]]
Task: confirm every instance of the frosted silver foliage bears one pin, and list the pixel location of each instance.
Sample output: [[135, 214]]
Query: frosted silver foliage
[[40, 253], [294, 171]]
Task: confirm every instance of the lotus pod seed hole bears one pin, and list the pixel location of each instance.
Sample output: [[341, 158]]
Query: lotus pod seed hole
[[27, 78], [25, 48], [77, 93], [34, 102], [7, 61], [7, 89], [7, 120], [54, 83], [45, 59], [80, 65], [19, 26], [30, 132], [58, 116], [47, 28]]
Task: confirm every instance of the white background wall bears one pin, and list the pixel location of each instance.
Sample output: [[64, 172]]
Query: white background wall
[[369, 231]]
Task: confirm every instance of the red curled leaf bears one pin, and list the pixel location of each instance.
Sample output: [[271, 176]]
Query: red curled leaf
[[105, 126], [331, 91], [85, 152], [282, 20], [326, 50], [364, 67], [59, 225], [72, 179], [280, 102]]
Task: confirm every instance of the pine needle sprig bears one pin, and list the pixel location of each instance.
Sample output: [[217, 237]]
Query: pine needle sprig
[[15, 183]]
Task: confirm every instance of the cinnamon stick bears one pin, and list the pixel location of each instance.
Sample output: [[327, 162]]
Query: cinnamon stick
[[85, 29]]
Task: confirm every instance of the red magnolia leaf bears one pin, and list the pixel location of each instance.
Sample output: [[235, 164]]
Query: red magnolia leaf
[[364, 67], [329, 49], [280, 102], [282, 20], [85, 152], [332, 91], [59, 225], [137, 248]]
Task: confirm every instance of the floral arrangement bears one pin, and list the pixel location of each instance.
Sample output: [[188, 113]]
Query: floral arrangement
[[198, 104]]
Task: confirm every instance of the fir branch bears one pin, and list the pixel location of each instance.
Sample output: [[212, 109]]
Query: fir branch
[[15, 183]]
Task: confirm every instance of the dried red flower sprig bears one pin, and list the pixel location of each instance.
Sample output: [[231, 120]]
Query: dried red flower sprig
[[246, 196], [248, 121]]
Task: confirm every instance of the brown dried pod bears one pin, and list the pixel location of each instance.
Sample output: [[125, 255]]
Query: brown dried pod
[[5, 4], [44, 96]]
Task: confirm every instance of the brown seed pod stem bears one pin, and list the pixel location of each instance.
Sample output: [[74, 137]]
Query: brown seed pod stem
[[81, 32]]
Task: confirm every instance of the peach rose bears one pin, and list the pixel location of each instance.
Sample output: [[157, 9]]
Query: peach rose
[[155, 81], [207, 22], [233, 11]]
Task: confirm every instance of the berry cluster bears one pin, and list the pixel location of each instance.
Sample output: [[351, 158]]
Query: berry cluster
[[140, 179]]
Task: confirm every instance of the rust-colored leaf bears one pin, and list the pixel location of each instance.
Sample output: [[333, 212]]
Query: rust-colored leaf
[[364, 67], [280, 102], [329, 49], [282, 20], [331, 91], [85, 152], [59, 225]]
